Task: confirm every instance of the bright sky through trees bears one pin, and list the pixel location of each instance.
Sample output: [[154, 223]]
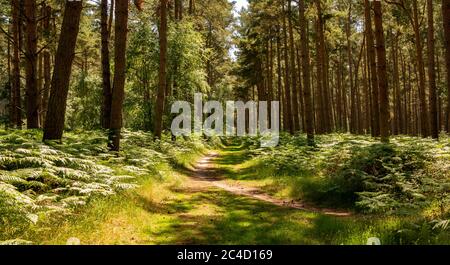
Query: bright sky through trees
[[239, 4]]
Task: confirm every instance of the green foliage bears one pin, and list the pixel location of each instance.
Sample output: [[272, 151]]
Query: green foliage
[[45, 181], [355, 171]]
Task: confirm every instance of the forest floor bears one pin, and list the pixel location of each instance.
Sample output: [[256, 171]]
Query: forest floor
[[204, 208], [207, 206], [194, 191]]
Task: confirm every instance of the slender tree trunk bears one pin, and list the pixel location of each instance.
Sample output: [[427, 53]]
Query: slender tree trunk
[[106, 69], [16, 114], [65, 54], [118, 90], [306, 74], [279, 79], [162, 69], [382, 73], [373, 69], [301, 101], [191, 7], [446, 21], [32, 92], [353, 106], [432, 72], [8, 86], [339, 94], [47, 65], [319, 97], [287, 81], [421, 69], [295, 105], [396, 79]]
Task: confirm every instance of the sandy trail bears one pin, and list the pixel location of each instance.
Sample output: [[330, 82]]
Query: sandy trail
[[206, 172]]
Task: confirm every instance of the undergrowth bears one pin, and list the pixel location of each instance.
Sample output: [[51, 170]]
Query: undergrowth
[[409, 177], [47, 182]]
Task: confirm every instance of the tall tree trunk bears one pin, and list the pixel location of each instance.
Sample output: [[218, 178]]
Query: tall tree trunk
[[353, 105], [318, 96], [295, 105], [421, 69], [287, 81], [191, 7], [32, 92], [382, 73], [118, 90], [373, 69], [106, 69], [396, 79], [432, 72], [301, 101], [8, 86], [16, 114], [65, 54], [322, 73], [160, 100], [47, 64], [446, 21], [306, 74], [279, 78], [339, 94]]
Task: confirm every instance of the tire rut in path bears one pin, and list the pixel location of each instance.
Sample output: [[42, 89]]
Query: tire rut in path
[[206, 171]]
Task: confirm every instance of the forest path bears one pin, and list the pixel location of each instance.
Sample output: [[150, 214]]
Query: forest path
[[204, 205], [207, 170]]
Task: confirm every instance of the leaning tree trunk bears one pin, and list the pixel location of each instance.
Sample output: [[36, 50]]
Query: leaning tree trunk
[[118, 91], [446, 20], [382, 73], [162, 69], [106, 70], [32, 92], [65, 54]]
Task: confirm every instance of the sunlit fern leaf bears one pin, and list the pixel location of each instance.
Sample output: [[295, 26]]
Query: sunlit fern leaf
[[46, 198], [16, 242], [441, 224], [74, 201], [16, 196], [11, 179], [125, 186]]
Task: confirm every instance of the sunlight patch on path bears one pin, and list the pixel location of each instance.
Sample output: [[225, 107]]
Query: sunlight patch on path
[[206, 171]]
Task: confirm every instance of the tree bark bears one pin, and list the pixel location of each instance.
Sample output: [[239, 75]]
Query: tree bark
[[306, 74], [118, 90], [432, 72], [16, 115], [373, 70], [446, 21], [32, 92], [106, 69], [382, 73], [287, 81], [421, 69], [160, 100], [353, 106], [295, 105], [47, 65], [65, 54]]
